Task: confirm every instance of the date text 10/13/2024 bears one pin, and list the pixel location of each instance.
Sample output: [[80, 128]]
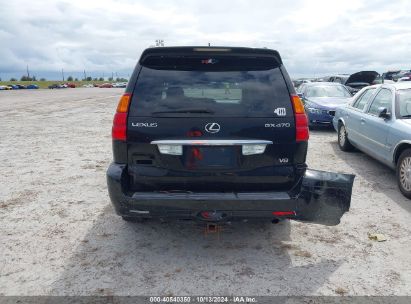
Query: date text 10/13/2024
[[202, 299]]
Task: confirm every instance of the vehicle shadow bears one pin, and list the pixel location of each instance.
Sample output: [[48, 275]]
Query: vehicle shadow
[[322, 129], [379, 177], [153, 258]]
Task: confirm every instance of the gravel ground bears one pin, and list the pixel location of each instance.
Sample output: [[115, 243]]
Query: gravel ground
[[60, 236]]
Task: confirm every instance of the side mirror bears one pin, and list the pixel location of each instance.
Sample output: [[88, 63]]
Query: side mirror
[[301, 95], [383, 113]]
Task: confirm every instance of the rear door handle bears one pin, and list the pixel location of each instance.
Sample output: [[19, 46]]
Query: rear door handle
[[362, 121]]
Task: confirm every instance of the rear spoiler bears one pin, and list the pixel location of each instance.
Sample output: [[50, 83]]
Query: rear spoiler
[[210, 50]]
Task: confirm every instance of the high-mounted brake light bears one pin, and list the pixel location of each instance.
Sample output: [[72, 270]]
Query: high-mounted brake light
[[301, 121], [208, 49], [119, 130]]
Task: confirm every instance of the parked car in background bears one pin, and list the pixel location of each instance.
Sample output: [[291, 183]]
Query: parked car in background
[[390, 74], [321, 99], [380, 79], [405, 77], [55, 86], [20, 86], [298, 82], [401, 74], [32, 87], [88, 85], [306, 81], [105, 85], [359, 80], [339, 78], [119, 85], [5, 87], [323, 79], [356, 81], [378, 122], [62, 86]]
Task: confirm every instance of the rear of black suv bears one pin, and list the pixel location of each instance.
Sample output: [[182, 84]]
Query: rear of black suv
[[217, 134]]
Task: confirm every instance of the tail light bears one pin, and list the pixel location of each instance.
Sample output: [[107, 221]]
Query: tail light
[[119, 130], [301, 120]]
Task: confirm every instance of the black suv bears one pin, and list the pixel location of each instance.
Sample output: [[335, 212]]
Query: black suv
[[217, 134]]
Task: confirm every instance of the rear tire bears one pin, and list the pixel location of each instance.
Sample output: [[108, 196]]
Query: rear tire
[[343, 141], [133, 219], [404, 173]]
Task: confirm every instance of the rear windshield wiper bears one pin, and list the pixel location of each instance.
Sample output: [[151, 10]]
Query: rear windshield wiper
[[406, 116], [205, 111]]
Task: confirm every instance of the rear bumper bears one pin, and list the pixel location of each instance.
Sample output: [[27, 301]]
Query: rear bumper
[[319, 197]]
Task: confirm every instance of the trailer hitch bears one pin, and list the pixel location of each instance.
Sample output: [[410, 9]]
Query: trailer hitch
[[213, 228]]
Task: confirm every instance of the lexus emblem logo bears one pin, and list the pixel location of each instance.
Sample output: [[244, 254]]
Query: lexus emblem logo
[[212, 127]]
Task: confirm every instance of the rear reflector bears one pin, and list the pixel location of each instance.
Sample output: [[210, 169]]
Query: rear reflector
[[301, 121], [119, 130], [284, 213]]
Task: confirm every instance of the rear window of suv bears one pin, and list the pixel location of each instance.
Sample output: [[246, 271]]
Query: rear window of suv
[[211, 87]]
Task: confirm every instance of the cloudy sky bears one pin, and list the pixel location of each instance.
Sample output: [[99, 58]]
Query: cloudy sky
[[107, 36]]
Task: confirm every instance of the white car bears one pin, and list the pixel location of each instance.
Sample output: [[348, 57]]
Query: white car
[[119, 85]]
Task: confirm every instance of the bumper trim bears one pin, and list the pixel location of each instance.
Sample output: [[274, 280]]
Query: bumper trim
[[139, 211], [199, 196], [212, 142]]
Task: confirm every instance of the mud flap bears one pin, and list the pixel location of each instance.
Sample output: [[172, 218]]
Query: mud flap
[[324, 197]]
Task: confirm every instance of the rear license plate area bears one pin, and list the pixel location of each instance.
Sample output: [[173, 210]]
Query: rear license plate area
[[216, 157]]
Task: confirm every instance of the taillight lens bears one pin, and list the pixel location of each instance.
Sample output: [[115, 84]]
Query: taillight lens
[[119, 130], [301, 127], [301, 120]]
